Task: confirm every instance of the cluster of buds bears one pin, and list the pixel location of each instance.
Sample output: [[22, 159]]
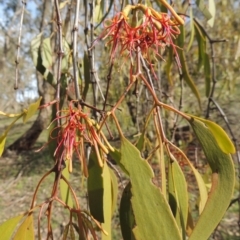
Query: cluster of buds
[[153, 32], [75, 131]]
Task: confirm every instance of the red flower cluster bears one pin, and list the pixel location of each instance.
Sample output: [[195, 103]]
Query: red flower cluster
[[156, 31], [76, 130]]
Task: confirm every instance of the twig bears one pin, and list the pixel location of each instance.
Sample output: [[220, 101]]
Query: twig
[[60, 54], [18, 45], [74, 55]]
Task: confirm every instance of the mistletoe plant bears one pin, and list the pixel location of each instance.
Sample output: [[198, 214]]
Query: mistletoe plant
[[138, 36]]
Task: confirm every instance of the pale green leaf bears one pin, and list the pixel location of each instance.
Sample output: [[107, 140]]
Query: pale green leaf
[[38, 61], [95, 186], [10, 114], [63, 4], [212, 10], [202, 7], [178, 195], [4, 135], [107, 203], [185, 73], [64, 189], [87, 77], [126, 216], [192, 29], [31, 110], [114, 187], [223, 179], [149, 205], [26, 230], [46, 53], [67, 58], [203, 194], [221, 137], [201, 39], [207, 73], [8, 227], [2, 143]]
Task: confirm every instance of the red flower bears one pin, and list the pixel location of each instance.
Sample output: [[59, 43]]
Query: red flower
[[156, 31], [76, 130]]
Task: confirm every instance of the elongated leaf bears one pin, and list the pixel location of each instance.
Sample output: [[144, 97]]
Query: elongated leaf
[[203, 57], [114, 187], [178, 195], [95, 188], [202, 7], [201, 39], [107, 202], [222, 181], [4, 134], [207, 73], [200, 182], [47, 53], [185, 73], [38, 61], [223, 140], [212, 10], [31, 110], [10, 114], [192, 29], [2, 143], [106, 13], [149, 205], [8, 227], [26, 230], [169, 64], [64, 189], [127, 220], [87, 77]]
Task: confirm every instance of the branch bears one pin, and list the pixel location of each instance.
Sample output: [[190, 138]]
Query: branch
[[18, 45]]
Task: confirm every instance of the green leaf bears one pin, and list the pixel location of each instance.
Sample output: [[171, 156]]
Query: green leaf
[[207, 73], [114, 187], [31, 110], [223, 179], [149, 205], [192, 29], [67, 58], [2, 143], [26, 230], [98, 11], [64, 189], [221, 137], [168, 66], [202, 7], [201, 39], [106, 13], [4, 135], [46, 53], [107, 202], [38, 61], [87, 77], [8, 227], [126, 216], [95, 188], [185, 73], [212, 10], [178, 195]]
